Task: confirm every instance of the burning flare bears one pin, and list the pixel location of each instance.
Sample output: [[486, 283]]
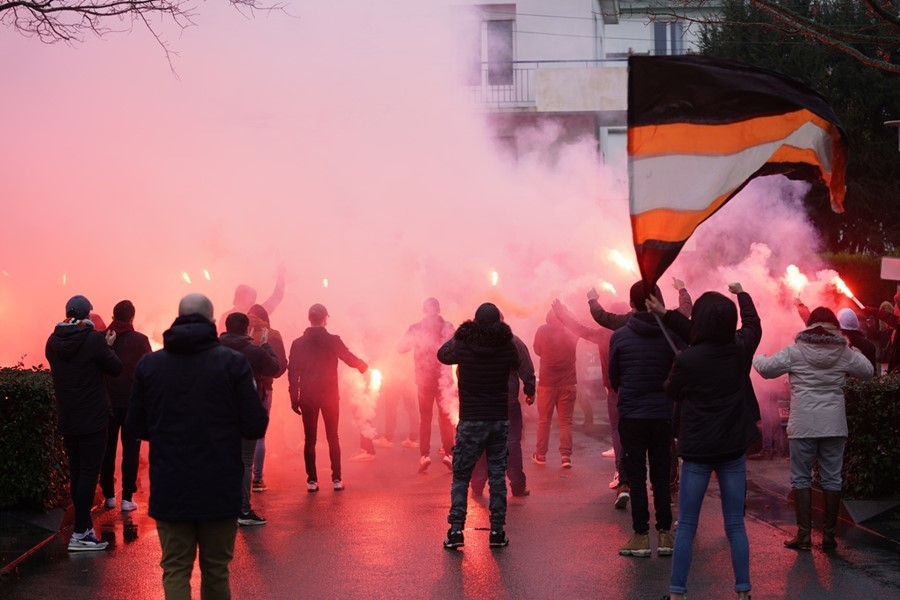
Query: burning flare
[[65, 279], [325, 283], [607, 286], [795, 280], [186, 277], [374, 380], [842, 288], [619, 259], [207, 275], [495, 278]]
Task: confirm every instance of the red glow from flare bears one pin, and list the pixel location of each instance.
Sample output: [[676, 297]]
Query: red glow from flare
[[841, 286]]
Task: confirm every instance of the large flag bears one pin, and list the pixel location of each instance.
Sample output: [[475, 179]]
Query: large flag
[[700, 128]]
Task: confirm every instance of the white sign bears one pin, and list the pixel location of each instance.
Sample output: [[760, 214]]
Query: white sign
[[890, 268]]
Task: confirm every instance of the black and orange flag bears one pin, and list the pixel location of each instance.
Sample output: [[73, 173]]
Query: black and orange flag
[[700, 128]]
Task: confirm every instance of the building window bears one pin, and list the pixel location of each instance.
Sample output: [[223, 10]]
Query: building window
[[500, 52], [668, 38]]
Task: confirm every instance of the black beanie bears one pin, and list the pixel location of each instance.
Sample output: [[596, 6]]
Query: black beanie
[[487, 313]]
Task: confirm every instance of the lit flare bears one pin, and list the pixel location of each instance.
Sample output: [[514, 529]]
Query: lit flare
[[207, 275], [607, 286], [186, 277], [795, 280], [495, 278], [619, 259], [374, 380], [842, 288]]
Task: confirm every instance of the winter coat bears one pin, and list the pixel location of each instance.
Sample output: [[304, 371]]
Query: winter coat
[[424, 338], [79, 358], [486, 354], [556, 346], [194, 401], [525, 372], [818, 363], [130, 346], [710, 381], [639, 362], [312, 367], [274, 339], [263, 361], [859, 341]]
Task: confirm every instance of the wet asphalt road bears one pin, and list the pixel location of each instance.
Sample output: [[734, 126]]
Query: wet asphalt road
[[381, 538]]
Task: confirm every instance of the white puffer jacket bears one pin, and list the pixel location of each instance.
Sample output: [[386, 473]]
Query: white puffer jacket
[[818, 364]]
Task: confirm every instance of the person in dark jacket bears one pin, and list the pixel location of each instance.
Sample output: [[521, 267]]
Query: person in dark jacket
[[484, 350], [313, 386], [194, 401], [639, 361], [514, 468], [850, 328], [710, 384], [264, 363], [130, 346], [556, 390], [262, 333], [79, 359], [424, 338]]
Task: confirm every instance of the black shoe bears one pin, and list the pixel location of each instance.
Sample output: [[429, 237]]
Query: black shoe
[[454, 539], [525, 492], [498, 538], [251, 518]]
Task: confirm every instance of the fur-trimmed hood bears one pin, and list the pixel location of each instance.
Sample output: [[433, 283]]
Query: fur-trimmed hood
[[822, 344], [484, 335]]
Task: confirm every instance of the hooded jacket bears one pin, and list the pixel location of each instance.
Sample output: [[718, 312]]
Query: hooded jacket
[[79, 358], [130, 346], [486, 354], [525, 373], [818, 363], [194, 401], [275, 341], [639, 362], [312, 367], [263, 361], [555, 345], [710, 381]]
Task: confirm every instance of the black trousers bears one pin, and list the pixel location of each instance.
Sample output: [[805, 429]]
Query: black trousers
[[131, 450], [643, 441], [85, 454]]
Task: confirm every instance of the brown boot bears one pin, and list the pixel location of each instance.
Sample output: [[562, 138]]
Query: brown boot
[[803, 507], [832, 508]]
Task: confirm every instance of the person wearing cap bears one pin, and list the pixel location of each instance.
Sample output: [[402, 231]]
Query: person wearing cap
[[313, 387], [195, 401], [485, 353], [79, 358], [262, 333], [423, 339], [130, 346], [850, 328], [818, 363]]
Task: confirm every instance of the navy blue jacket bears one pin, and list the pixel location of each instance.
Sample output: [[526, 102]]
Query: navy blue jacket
[[486, 354], [79, 358], [194, 401], [639, 361]]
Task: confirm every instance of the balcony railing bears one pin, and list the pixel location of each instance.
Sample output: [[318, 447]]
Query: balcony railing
[[512, 84]]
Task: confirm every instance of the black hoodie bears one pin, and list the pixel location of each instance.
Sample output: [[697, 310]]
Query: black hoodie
[[710, 380], [485, 353], [79, 358], [262, 358]]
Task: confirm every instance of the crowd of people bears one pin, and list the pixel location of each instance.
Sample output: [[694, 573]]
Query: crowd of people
[[677, 381]]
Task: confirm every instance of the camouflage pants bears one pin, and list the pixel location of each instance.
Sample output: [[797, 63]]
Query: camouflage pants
[[473, 438]]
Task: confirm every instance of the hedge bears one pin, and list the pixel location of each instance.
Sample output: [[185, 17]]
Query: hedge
[[872, 454], [32, 457]]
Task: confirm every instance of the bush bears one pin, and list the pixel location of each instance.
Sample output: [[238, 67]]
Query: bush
[[32, 457], [872, 455]]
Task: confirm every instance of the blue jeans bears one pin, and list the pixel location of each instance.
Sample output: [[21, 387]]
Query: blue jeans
[[259, 458], [732, 478]]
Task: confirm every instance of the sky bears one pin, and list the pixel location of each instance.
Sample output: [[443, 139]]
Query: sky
[[331, 140]]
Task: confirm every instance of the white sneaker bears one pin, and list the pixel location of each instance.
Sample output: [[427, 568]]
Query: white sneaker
[[615, 481], [448, 461], [611, 453], [424, 463], [128, 506], [312, 486], [110, 502], [408, 443], [362, 456], [383, 442], [338, 485], [86, 542]]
